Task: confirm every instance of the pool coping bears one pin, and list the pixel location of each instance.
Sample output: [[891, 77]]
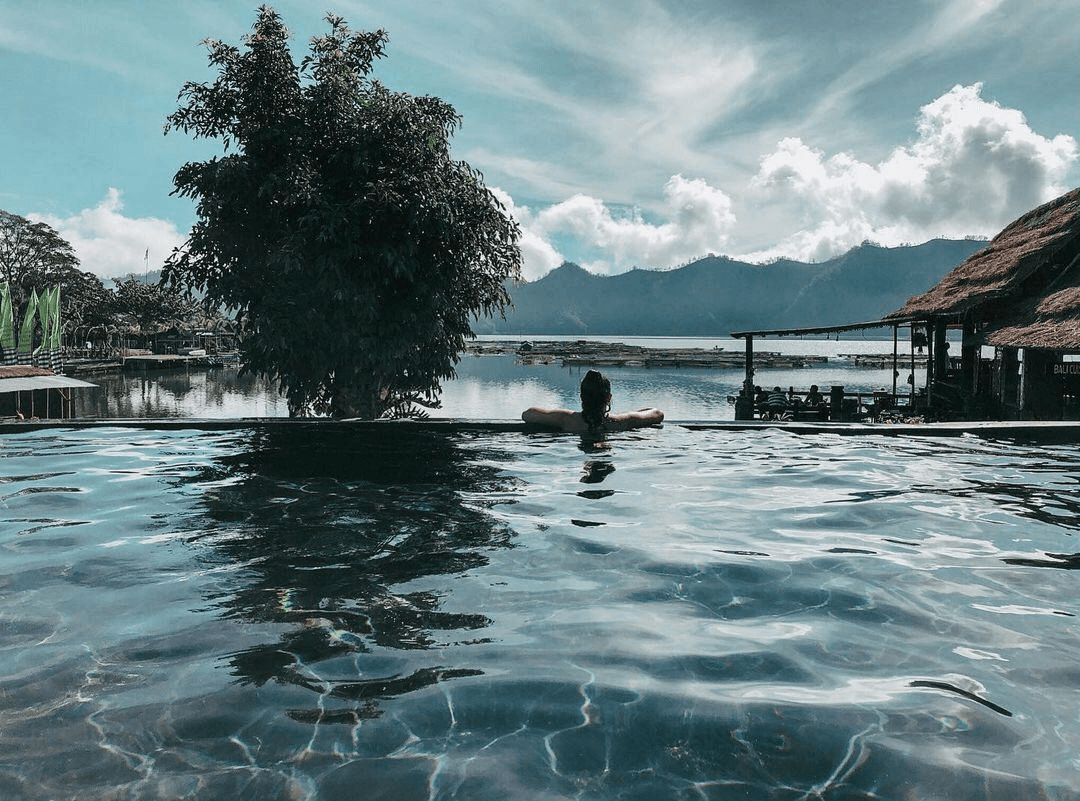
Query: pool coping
[[1036, 429]]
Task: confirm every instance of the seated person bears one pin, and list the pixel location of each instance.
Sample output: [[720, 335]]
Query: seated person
[[776, 404], [813, 397], [777, 399], [595, 416], [761, 397]]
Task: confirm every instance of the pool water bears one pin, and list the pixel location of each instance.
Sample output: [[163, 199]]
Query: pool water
[[405, 612]]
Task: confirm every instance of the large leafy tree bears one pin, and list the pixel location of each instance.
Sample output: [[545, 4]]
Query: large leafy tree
[[336, 225], [152, 307], [34, 256], [85, 305]]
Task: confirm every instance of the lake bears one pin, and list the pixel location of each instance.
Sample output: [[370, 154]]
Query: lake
[[495, 387]]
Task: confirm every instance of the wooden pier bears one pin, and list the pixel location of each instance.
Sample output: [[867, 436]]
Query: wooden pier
[[158, 361], [91, 366], [174, 361], [884, 361]]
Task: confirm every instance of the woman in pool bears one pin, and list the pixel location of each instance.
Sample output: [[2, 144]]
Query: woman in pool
[[595, 416]]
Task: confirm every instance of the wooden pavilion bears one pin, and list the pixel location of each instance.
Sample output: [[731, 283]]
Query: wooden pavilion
[[1017, 302], [843, 406], [27, 392]]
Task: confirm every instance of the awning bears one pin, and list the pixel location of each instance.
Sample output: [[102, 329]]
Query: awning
[[823, 329], [32, 382]]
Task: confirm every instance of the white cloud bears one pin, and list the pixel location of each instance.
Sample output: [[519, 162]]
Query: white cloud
[[973, 167], [109, 244], [539, 256], [699, 219]]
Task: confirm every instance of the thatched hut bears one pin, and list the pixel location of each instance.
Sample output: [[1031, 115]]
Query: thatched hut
[[1018, 303]]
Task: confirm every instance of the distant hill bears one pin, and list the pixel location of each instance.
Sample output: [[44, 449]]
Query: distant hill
[[716, 295]]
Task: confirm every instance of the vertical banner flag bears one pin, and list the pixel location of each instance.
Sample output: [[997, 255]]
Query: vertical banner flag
[[7, 327], [39, 356], [50, 315], [26, 334], [55, 358]]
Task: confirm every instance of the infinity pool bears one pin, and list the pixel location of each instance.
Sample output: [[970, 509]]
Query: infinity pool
[[405, 612]]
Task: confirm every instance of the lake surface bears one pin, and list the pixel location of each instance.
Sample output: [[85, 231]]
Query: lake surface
[[333, 612], [495, 387]]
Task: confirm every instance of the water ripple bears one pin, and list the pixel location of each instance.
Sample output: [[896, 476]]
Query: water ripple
[[675, 614]]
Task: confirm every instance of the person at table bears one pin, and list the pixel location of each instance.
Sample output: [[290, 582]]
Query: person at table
[[813, 397], [761, 398], [595, 416], [776, 404]]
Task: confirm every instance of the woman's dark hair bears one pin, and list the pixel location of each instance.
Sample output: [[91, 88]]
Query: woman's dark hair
[[595, 399]]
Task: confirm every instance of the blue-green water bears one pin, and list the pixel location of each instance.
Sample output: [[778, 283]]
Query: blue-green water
[[331, 612], [497, 388]]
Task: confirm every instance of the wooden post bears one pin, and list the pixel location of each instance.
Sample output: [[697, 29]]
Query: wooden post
[[1009, 383], [941, 351], [744, 407], [749, 382], [930, 364], [836, 403], [911, 375], [895, 369], [969, 353]]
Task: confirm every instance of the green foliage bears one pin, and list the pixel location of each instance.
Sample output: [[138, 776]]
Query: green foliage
[[86, 305], [151, 307], [34, 256], [336, 226]]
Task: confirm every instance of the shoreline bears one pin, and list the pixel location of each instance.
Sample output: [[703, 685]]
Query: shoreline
[[590, 353]]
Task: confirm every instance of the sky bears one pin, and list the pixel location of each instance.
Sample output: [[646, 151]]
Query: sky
[[636, 133]]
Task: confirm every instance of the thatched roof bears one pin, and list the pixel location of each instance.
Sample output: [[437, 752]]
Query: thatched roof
[[22, 371], [1050, 321], [1027, 257]]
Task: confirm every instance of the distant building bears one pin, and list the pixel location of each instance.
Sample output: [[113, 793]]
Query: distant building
[[1017, 302]]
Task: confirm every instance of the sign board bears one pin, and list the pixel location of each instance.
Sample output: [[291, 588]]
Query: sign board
[[1065, 368]]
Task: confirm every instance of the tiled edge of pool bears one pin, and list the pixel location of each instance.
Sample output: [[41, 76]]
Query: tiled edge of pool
[[1066, 431]]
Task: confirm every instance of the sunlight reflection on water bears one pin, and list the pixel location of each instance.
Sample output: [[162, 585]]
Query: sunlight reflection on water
[[293, 611]]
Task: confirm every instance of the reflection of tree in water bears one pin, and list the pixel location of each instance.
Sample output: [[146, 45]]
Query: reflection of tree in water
[[329, 521], [136, 394], [158, 393]]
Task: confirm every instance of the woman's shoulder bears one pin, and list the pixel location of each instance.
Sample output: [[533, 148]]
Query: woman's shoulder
[[574, 422], [555, 418]]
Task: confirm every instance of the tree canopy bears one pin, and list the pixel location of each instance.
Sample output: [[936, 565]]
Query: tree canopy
[[151, 307], [336, 226], [34, 256]]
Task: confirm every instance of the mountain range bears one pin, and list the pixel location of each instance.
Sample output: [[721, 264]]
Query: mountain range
[[716, 295]]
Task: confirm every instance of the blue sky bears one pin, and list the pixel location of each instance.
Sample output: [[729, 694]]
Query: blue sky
[[634, 133]]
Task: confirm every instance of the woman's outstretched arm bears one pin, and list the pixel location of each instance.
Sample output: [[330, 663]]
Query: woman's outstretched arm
[[649, 416]]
